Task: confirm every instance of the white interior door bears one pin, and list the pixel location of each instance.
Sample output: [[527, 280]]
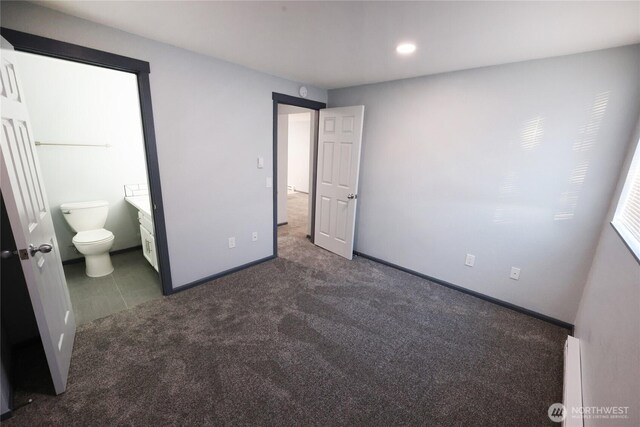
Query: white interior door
[[339, 142], [28, 211]]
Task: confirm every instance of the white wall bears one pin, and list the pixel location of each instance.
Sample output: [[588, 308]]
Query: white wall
[[207, 153], [608, 323], [299, 146], [81, 104], [515, 164]]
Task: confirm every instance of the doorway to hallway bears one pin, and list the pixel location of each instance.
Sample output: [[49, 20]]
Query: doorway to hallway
[[296, 139], [335, 139], [294, 119]]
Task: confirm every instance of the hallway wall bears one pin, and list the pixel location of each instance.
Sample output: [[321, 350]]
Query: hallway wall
[[299, 150]]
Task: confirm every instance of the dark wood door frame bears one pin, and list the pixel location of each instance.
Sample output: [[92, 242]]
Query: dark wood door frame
[[25, 42], [280, 98]]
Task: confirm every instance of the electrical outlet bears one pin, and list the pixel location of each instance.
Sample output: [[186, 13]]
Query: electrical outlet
[[515, 273], [254, 236], [260, 162], [232, 242], [470, 261]]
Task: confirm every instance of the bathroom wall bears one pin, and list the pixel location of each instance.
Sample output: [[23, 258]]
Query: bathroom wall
[[299, 146], [82, 104]]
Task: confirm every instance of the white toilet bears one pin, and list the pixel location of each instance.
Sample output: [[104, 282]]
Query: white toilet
[[92, 241]]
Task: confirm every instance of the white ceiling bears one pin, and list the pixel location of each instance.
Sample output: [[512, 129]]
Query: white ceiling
[[338, 44]]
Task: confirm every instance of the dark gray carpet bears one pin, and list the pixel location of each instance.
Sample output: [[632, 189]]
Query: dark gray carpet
[[310, 339]]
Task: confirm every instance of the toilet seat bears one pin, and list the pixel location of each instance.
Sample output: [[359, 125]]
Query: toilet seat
[[93, 236]]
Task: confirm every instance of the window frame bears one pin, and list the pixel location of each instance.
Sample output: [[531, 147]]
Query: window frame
[[632, 242]]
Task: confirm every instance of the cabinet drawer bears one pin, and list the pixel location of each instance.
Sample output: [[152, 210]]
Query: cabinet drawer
[[147, 223], [149, 247]]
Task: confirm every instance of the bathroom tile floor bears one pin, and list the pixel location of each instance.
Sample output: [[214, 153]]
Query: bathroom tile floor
[[132, 282]]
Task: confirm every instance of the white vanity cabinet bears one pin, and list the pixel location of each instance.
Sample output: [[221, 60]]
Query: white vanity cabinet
[[142, 204], [148, 239]]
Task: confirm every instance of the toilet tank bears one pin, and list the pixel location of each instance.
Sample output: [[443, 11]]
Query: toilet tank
[[83, 216]]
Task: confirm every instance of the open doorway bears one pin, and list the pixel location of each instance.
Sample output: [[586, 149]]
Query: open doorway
[[334, 154], [51, 48], [306, 114], [29, 210], [90, 144], [294, 219], [296, 143]]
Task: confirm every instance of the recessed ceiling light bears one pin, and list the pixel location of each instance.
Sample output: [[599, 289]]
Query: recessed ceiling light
[[406, 48]]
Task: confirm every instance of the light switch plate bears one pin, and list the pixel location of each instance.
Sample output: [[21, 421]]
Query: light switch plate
[[470, 260], [260, 162], [269, 182], [515, 273], [232, 242]]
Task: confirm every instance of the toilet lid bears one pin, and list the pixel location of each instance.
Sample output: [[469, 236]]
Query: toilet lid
[[93, 236]]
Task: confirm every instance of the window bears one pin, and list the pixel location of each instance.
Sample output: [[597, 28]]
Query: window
[[627, 217]]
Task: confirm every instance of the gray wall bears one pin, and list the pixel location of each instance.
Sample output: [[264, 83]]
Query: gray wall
[[608, 323], [514, 164], [212, 120]]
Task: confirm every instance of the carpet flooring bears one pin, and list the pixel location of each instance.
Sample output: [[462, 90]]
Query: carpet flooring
[[310, 339]]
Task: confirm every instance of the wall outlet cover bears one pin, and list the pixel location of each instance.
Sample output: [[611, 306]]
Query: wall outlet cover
[[254, 236], [232, 242], [515, 273], [470, 260]]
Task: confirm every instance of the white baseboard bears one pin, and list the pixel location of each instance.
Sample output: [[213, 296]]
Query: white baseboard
[[572, 390]]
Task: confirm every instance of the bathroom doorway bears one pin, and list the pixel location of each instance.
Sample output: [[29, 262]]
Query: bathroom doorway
[[92, 145]]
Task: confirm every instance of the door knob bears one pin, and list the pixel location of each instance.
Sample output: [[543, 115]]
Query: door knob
[[8, 254], [352, 196], [44, 248], [22, 253]]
